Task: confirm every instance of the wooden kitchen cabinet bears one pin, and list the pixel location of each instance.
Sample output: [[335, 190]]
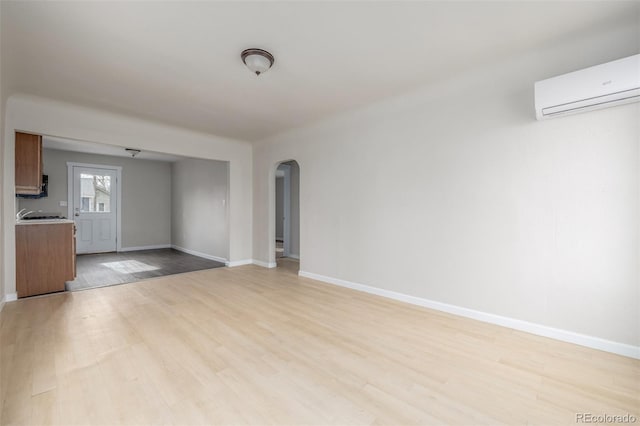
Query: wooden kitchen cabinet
[[45, 257], [28, 163]]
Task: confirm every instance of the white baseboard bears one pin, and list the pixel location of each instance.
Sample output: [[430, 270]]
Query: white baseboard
[[233, 263], [11, 297], [199, 254], [264, 264], [159, 246], [529, 327], [251, 262], [8, 298], [294, 256]]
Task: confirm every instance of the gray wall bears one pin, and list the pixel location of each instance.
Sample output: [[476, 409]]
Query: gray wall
[[454, 193], [146, 194], [199, 208], [279, 208], [2, 207]]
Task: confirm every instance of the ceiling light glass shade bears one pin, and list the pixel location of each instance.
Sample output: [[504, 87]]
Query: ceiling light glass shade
[[257, 60]]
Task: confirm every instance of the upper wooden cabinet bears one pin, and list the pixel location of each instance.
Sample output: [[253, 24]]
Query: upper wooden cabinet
[[28, 163]]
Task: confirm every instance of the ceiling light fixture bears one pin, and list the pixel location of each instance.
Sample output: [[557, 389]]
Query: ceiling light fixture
[[132, 152], [257, 60]]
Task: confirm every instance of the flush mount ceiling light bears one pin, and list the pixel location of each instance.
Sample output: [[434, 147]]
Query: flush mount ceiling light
[[132, 152], [257, 60]]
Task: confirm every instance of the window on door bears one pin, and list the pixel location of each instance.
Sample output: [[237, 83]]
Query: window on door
[[95, 193]]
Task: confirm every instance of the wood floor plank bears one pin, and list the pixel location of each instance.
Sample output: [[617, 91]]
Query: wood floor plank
[[249, 345]]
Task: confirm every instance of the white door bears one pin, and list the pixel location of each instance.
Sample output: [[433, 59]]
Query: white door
[[94, 209]]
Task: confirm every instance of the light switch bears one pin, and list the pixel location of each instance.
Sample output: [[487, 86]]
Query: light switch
[[63, 204]]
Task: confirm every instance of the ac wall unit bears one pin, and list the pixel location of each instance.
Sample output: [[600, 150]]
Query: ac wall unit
[[601, 86]]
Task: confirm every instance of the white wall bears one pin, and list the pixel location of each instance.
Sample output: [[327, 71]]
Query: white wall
[[455, 194], [54, 118], [2, 237], [146, 194], [199, 207], [294, 249]]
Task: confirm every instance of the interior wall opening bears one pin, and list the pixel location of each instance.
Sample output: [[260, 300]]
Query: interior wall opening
[[172, 213], [287, 215]]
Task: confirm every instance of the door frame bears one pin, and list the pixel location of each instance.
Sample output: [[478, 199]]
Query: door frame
[[286, 208], [271, 220], [118, 170]]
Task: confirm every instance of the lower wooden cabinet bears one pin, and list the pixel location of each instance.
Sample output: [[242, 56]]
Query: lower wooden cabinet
[[45, 257]]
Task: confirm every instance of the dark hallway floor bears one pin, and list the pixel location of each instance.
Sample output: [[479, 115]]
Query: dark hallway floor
[[99, 270]]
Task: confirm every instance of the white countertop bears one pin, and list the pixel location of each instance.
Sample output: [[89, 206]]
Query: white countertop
[[43, 221]]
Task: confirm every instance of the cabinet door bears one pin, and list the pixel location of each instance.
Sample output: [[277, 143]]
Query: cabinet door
[[28, 163], [43, 262]]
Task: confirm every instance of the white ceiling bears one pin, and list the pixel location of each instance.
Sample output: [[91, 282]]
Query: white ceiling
[[63, 144], [179, 62]]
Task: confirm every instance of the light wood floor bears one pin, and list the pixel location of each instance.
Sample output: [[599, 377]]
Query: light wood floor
[[249, 345]]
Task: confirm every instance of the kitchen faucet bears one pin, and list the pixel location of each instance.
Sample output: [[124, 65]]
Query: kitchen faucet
[[20, 215]]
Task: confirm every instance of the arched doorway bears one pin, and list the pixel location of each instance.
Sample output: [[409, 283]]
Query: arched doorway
[[287, 215]]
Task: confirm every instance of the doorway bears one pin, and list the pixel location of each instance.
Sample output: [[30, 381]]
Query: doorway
[[171, 217], [287, 214], [95, 206]]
